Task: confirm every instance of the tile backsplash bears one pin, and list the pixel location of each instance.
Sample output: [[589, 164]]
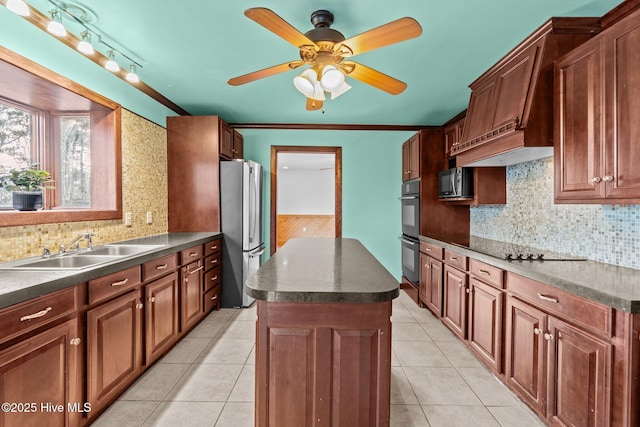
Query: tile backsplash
[[144, 189], [605, 233]]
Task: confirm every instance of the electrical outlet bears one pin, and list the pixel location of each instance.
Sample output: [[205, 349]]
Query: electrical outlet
[[127, 219], [149, 217]]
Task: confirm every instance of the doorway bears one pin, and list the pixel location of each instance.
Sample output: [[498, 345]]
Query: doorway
[[306, 193]]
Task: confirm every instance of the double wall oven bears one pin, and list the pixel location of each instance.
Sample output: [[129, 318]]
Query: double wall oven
[[410, 230]]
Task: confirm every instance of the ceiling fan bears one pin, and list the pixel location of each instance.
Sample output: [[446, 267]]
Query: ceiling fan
[[326, 51]]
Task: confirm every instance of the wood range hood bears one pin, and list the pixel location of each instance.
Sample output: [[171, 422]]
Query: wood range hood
[[510, 115]]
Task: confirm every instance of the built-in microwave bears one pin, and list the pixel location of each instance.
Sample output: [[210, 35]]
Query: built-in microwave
[[455, 183]]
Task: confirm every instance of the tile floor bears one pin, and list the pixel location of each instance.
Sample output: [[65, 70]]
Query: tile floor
[[207, 379]]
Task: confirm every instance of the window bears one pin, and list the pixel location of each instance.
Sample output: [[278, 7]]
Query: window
[[66, 129]]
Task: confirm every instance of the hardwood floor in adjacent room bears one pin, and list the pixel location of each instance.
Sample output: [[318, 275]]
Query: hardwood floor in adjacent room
[[208, 379]]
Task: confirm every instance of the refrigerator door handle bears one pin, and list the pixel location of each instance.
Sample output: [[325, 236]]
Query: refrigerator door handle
[[253, 178], [257, 252]]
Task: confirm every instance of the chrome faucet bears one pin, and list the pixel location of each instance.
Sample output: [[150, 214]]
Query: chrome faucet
[[76, 243]]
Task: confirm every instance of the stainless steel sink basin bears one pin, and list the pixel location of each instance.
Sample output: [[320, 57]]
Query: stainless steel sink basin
[[70, 262], [118, 250]]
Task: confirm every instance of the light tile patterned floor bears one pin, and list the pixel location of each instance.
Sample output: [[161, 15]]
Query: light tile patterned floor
[[207, 379]]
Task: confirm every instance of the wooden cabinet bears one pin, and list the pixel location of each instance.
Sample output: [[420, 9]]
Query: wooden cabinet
[[114, 347], [411, 158], [597, 154], [190, 295], [431, 277], [453, 133], [561, 370], [231, 142], [194, 192], [212, 278], [455, 289], [238, 145], [162, 316]]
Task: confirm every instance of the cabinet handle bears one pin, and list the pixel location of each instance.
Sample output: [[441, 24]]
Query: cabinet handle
[[214, 297], [214, 278], [485, 272], [596, 179], [196, 270], [214, 261], [213, 248], [428, 249], [36, 315], [152, 299], [547, 298], [537, 331], [607, 178], [192, 254], [75, 341], [139, 306], [120, 283], [548, 337], [161, 266], [452, 258]]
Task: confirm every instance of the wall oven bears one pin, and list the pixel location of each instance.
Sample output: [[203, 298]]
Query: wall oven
[[411, 230]]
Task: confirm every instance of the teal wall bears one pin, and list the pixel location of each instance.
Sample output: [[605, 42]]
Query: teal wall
[[371, 180]]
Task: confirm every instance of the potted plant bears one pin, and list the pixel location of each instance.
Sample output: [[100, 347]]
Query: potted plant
[[26, 185]]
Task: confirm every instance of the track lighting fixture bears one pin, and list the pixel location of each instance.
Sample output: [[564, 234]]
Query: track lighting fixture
[[55, 26], [18, 7], [85, 45], [132, 77], [111, 65]]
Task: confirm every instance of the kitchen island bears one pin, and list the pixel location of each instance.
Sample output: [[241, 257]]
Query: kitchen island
[[323, 338]]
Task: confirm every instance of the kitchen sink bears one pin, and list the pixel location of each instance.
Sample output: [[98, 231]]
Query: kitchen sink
[[79, 260], [118, 250]]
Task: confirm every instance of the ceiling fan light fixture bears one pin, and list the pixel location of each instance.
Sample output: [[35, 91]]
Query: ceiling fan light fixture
[[305, 83], [332, 78], [318, 92], [19, 7], [342, 89]]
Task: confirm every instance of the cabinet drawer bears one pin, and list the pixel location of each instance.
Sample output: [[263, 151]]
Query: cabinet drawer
[[568, 307], [455, 260], [211, 299], [212, 247], [212, 261], [113, 284], [212, 278], [431, 250], [39, 311], [159, 267], [489, 274], [191, 254]]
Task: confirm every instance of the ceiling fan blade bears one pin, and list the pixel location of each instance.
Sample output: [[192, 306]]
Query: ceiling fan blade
[[372, 77], [276, 69], [313, 104], [394, 32], [272, 22]]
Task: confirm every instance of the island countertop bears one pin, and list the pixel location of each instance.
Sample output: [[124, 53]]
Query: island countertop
[[323, 270]]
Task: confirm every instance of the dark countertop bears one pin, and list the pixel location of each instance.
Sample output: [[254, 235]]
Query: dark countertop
[[323, 270], [611, 285], [21, 285]]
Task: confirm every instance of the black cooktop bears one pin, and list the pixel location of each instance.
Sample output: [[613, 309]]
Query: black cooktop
[[514, 252]]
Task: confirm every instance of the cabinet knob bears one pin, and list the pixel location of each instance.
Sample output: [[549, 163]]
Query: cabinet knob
[[596, 179], [537, 331], [548, 337], [459, 284], [607, 178], [75, 341], [139, 306], [468, 290], [152, 299]]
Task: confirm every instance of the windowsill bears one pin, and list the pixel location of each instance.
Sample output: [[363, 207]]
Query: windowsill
[[12, 218]]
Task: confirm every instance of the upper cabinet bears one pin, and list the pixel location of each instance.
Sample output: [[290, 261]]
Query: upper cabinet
[[597, 112], [509, 118], [411, 158], [453, 133], [231, 142]]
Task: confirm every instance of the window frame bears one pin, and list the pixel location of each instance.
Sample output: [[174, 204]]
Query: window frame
[[105, 116]]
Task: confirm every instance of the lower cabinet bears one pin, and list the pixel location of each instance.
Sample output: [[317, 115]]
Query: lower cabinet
[[454, 311], [114, 347], [40, 379], [431, 283], [162, 316], [191, 294], [485, 322]]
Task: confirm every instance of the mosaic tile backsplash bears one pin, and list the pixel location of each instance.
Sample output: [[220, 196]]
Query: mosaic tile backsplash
[[605, 233], [144, 188]]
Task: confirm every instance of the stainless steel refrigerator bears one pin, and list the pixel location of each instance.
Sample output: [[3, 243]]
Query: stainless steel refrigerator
[[241, 223]]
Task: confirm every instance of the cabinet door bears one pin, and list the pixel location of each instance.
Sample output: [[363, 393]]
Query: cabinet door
[[425, 278], [434, 299], [414, 156], [43, 369], [623, 110], [114, 347], [191, 295], [454, 311], [525, 351], [238, 145], [226, 140], [406, 166], [579, 376], [161, 316], [480, 111], [485, 322], [579, 120]]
